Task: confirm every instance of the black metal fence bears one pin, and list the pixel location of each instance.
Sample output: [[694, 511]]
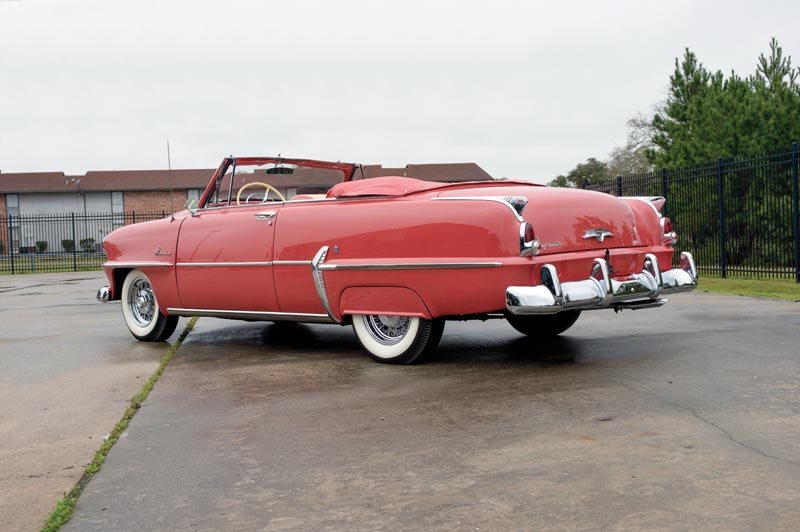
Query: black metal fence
[[738, 216], [60, 242]]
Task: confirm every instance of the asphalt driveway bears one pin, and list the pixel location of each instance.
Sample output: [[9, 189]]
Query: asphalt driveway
[[68, 368], [685, 417]]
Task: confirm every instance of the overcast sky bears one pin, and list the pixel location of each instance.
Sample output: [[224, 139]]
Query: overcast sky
[[525, 89]]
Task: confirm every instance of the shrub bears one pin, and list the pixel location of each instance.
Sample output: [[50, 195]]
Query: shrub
[[87, 244], [2, 247], [41, 246], [68, 245]]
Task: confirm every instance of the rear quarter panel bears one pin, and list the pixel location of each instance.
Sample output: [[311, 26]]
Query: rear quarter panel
[[402, 231]]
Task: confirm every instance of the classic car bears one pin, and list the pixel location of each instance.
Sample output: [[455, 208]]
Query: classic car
[[392, 256]]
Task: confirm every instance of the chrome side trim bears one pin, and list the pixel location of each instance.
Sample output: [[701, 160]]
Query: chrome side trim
[[291, 263], [143, 264], [251, 315], [410, 266], [497, 199], [319, 279], [222, 264]]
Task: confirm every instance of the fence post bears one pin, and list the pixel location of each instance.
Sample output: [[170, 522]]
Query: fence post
[[74, 245], [619, 186], [664, 190], [723, 257], [795, 214], [11, 242]]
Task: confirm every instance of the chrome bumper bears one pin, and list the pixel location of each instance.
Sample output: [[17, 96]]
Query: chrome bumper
[[103, 294], [599, 291]]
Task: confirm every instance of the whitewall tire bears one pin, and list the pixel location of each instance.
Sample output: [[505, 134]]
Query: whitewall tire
[[393, 339], [141, 312]]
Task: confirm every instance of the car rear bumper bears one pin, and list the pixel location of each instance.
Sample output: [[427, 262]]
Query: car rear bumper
[[600, 290]]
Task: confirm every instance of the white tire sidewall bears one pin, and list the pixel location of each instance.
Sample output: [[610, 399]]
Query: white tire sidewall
[[130, 321], [379, 350]]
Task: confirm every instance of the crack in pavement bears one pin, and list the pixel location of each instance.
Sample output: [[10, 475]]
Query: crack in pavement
[[710, 423]]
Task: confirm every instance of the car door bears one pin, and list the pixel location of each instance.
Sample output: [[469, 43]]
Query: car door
[[224, 259]]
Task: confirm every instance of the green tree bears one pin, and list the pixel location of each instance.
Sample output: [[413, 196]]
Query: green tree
[[591, 172], [708, 115]]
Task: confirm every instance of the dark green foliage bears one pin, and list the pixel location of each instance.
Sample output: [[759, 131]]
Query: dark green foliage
[[708, 115], [87, 244], [41, 246], [68, 245], [589, 173]]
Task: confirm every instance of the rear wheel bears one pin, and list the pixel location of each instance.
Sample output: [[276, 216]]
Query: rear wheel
[[548, 325], [394, 339], [141, 311]]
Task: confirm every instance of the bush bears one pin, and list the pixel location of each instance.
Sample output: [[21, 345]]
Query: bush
[[68, 245], [2, 247], [87, 244], [41, 246]]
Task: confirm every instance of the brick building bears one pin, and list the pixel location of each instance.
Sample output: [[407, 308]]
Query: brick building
[[124, 192]]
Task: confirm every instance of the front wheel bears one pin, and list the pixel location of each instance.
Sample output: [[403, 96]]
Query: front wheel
[[548, 325], [141, 311], [394, 339]]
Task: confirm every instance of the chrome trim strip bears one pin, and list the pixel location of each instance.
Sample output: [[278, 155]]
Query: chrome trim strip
[[143, 264], [319, 279], [251, 315], [411, 266], [291, 263], [497, 199], [222, 264]]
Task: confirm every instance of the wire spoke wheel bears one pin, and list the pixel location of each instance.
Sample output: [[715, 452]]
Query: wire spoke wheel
[[141, 312], [142, 302], [396, 339], [388, 330]]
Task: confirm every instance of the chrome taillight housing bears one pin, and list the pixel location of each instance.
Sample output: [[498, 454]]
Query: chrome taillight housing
[[668, 236], [528, 243]]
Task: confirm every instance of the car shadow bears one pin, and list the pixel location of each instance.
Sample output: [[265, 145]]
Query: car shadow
[[553, 351], [298, 340]]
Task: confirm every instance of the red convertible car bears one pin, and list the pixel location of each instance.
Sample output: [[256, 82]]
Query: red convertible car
[[395, 257]]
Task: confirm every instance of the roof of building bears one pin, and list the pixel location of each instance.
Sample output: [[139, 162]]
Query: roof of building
[[138, 180]]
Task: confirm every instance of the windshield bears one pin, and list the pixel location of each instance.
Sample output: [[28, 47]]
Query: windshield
[[249, 181]]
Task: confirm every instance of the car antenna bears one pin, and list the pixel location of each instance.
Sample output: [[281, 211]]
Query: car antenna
[[169, 178]]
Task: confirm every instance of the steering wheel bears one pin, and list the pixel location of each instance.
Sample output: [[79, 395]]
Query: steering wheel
[[267, 188]]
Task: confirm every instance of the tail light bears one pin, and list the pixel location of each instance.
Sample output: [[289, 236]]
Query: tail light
[[528, 243], [668, 236]]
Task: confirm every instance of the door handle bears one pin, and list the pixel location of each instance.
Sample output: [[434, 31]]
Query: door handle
[[266, 215]]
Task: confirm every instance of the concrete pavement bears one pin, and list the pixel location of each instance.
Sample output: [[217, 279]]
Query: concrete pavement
[[68, 368], [685, 417]]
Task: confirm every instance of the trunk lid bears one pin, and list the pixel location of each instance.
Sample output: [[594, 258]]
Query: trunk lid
[[568, 219]]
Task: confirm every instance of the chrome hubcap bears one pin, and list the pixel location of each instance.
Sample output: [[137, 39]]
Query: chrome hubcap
[[387, 330], [142, 302]]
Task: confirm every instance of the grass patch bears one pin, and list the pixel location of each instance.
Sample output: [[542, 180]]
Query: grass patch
[[785, 289], [66, 506]]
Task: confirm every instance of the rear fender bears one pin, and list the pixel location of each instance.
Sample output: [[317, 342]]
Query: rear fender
[[388, 300]]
